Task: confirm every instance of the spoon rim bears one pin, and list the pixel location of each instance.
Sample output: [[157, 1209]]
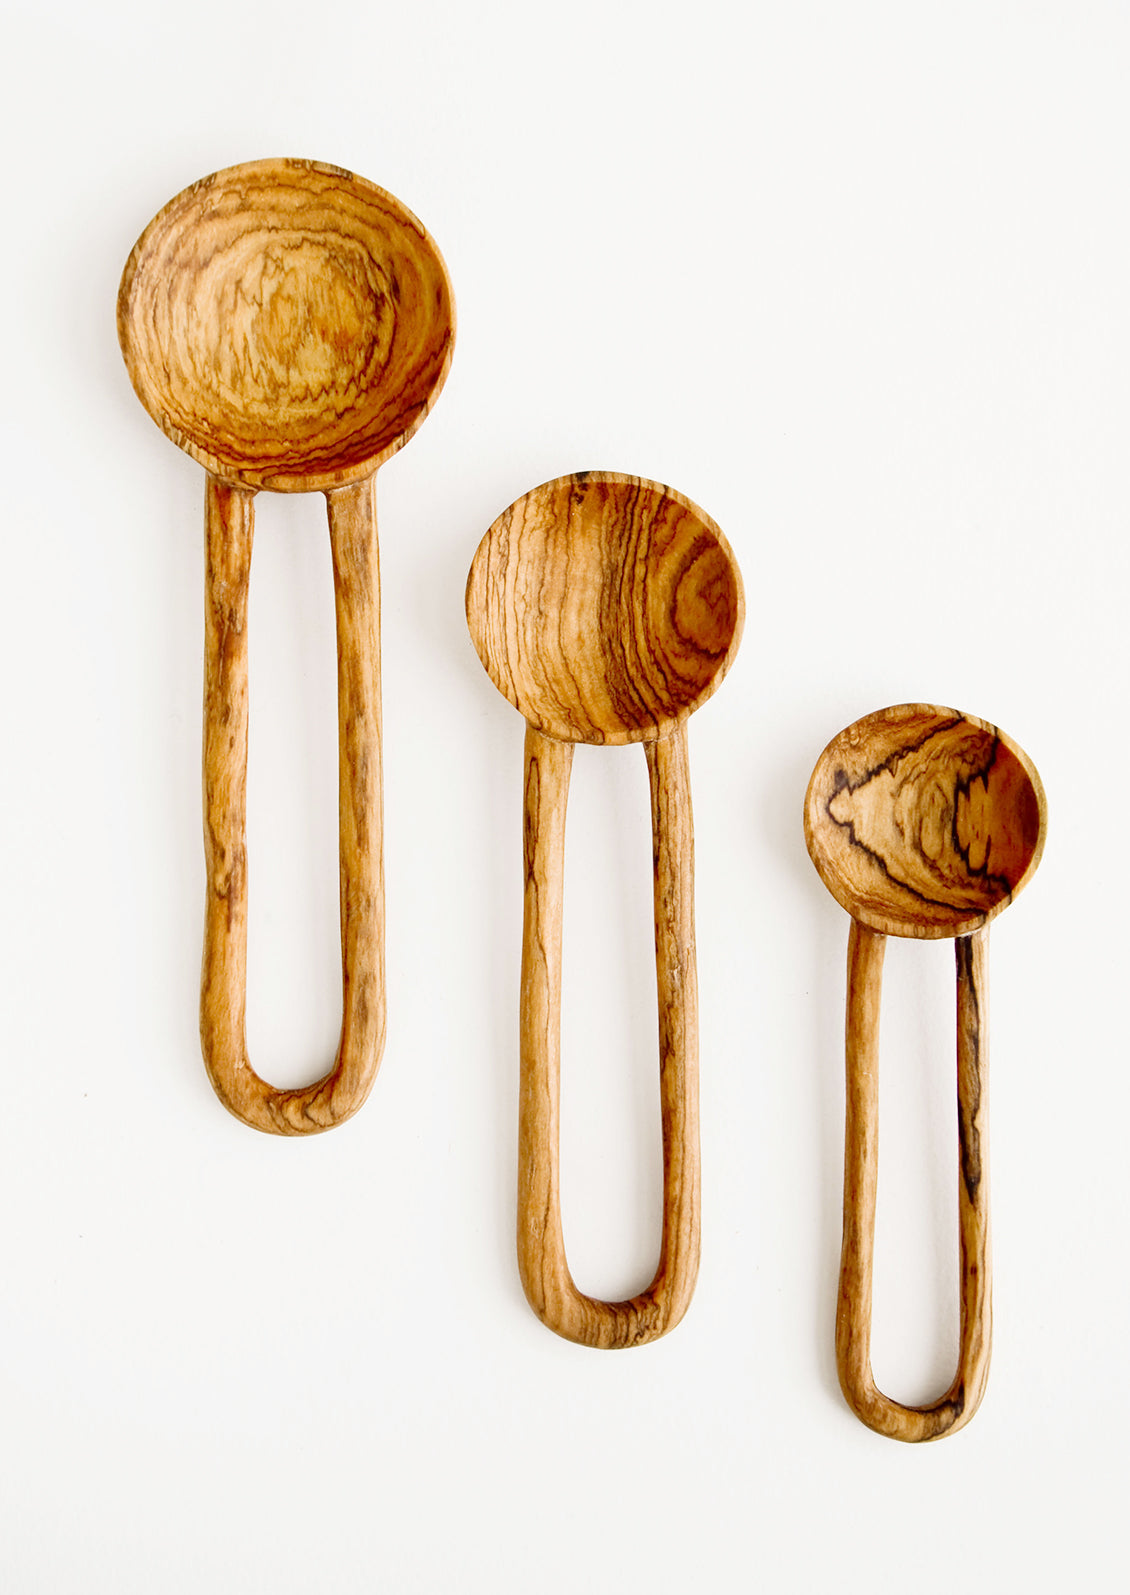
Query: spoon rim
[[889, 924], [667, 724], [137, 365]]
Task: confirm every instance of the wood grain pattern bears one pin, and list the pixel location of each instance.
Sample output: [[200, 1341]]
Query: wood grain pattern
[[924, 822], [542, 1263], [339, 1094], [861, 1172], [286, 323], [289, 326], [921, 822], [606, 608]]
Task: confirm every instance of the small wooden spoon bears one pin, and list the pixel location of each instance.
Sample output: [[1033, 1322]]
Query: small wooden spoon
[[606, 608], [289, 325], [921, 822]]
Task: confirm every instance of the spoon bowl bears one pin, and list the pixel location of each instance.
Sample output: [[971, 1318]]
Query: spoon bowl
[[606, 608], [287, 324], [924, 822]]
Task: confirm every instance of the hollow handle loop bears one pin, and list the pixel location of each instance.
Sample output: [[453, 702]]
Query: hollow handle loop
[[861, 1164], [229, 527], [541, 1253]]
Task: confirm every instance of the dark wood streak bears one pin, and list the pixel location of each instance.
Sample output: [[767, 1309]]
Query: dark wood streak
[[842, 783], [972, 1041], [1000, 886], [917, 761]]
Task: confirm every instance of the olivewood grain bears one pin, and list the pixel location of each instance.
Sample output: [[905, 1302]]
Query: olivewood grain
[[861, 1171], [289, 325], [286, 323], [340, 1092], [606, 608], [921, 822], [924, 822], [542, 1263]]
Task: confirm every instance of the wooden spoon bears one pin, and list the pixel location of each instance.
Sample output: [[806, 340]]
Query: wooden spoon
[[289, 325], [921, 822], [606, 608]]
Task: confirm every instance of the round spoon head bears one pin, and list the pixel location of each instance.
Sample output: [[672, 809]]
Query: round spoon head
[[288, 324], [605, 607], [924, 822]]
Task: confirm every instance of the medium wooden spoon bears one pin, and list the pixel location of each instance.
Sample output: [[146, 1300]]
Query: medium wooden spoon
[[289, 325], [606, 608], [921, 822]]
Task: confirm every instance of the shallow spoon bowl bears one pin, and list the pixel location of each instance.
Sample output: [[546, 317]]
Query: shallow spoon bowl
[[607, 609]]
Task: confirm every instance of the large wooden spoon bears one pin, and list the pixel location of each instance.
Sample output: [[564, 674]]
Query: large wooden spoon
[[289, 325], [922, 822], [606, 608]]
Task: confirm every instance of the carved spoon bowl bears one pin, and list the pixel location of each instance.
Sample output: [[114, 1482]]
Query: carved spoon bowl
[[606, 609], [921, 822], [289, 325], [924, 822]]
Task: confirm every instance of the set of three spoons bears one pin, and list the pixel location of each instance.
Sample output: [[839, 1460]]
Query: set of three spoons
[[289, 325]]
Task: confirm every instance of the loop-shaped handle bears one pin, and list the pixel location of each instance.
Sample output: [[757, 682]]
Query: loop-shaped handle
[[545, 1273], [229, 527], [861, 1167]]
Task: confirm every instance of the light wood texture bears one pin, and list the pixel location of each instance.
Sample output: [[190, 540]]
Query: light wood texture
[[286, 323], [289, 325], [544, 1270], [353, 541], [606, 608], [861, 1171], [922, 822]]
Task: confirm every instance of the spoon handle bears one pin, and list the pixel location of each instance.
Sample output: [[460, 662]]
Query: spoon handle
[[541, 1252], [229, 526], [861, 1166]]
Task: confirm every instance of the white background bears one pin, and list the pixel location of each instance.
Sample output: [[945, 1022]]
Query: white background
[[856, 279]]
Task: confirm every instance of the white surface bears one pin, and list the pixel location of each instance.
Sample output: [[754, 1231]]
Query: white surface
[[855, 279]]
